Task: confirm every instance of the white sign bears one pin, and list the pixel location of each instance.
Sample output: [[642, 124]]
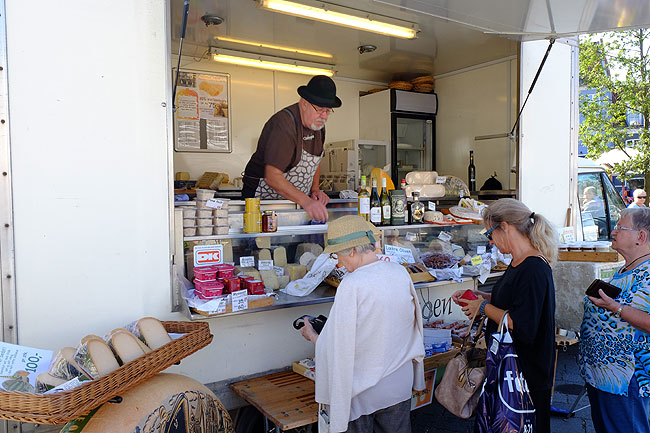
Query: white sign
[[239, 300], [444, 236], [265, 265], [221, 308], [432, 206], [480, 249], [441, 179], [388, 258], [567, 235], [411, 237], [399, 252], [214, 203], [206, 255], [247, 261], [279, 270]]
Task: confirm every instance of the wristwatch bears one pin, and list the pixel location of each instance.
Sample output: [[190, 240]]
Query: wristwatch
[[617, 314]]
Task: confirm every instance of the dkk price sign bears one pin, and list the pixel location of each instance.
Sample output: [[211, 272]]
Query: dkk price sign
[[206, 255]]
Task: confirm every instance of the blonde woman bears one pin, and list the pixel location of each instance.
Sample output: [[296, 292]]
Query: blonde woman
[[527, 292]]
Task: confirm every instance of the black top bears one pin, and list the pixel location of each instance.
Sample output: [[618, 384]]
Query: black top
[[528, 293]]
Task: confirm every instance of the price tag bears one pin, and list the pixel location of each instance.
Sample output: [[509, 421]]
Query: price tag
[[247, 261], [411, 237], [214, 203], [279, 270], [403, 254], [239, 300], [567, 235], [480, 249], [221, 308], [441, 179], [477, 260], [444, 236], [432, 206], [265, 265]]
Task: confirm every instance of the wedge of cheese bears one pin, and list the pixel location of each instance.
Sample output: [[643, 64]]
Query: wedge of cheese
[[95, 358], [263, 242], [270, 280], [151, 331], [280, 256], [262, 254], [144, 347], [125, 346], [64, 366], [296, 272], [45, 382], [283, 280], [247, 270]]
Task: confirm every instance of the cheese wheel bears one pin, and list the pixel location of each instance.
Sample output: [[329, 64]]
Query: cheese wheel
[[303, 248], [96, 358], [45, 381], [64, 366], [125, 346], [421, 177]]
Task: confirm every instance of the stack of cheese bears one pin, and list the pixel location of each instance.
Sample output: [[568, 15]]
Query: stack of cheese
[[424, 182], [95, 357]]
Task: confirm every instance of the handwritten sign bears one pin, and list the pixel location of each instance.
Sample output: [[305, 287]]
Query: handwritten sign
[[265, 265], [214, 203], [221, 308], [477, 260], [279, 270], [239, 300], [247, 261], [444, 236], [400, 252]]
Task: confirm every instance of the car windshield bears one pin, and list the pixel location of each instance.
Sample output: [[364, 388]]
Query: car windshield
[[598, 200]]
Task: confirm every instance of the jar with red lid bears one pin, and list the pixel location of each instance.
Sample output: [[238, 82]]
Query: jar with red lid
[[255, 287], [269, 221]]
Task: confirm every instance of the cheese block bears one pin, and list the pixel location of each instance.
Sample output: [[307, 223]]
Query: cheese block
[[227, 250], [280, 256], [151, 331], [307, 259], [144, 347], [262, 254], [263, 242], [247, 270], [283, 280], [64, 366], [427, 191], [125, 346], [270, 280], [296, 272], [303, 248], [95, 358], [421, 177], [45, 381]]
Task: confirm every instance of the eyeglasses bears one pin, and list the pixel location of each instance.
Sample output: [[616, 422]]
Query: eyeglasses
[[642, 197], [617, 227], [321, 110], [488, 234]]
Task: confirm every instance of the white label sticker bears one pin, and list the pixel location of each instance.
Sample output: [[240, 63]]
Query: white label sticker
[[403, 254], [411, 237], [364, 205], [441, 179], [279, 270], [494, 347], [375, 215], [432, 206], [239, 300], [206, 255], [214, 203], [480, 249], [265, 265], [247, 261], [444, 236], [477, 260]]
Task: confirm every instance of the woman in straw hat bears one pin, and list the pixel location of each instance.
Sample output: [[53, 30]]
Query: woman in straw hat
[[369, 355]]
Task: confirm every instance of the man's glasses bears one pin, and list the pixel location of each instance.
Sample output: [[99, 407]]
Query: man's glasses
[[321, 110], [617, 227], [334, 256], [488, 234]]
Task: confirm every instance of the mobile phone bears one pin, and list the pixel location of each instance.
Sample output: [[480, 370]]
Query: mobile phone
[[468, 294], [609, 289]]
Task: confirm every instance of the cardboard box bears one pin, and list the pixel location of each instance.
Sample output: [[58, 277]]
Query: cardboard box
[[305, 367], [418, 272]]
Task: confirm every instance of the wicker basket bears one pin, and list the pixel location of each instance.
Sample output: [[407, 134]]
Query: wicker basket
[[61, 407]]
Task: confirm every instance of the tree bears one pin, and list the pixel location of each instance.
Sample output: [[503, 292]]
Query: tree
[[616, 68]]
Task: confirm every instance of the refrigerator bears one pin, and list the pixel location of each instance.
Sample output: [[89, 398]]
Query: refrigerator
[[407, 121], [344, 162]]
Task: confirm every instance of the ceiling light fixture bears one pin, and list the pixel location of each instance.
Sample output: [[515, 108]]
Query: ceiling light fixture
[[274, 47], [343, 16], [270, 62]]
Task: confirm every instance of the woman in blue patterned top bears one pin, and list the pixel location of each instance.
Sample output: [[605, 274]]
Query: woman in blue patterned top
[[615, 335]]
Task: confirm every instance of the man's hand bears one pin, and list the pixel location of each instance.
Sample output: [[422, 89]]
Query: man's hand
[[319, 195], [308, 332], [316, 210]]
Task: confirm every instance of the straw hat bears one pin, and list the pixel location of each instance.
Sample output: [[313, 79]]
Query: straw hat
[[349, 231]]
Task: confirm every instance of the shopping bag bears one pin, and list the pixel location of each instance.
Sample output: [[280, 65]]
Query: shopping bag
[[323, 418], [505, 405]]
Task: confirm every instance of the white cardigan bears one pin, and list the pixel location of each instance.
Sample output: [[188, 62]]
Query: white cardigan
[[374, 327]]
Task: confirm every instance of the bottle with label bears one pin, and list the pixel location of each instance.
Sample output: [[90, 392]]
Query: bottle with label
[[407, 207], [375, 205], [364, 200], [471, 172], [385, 204], [417, 209], [397, 207]]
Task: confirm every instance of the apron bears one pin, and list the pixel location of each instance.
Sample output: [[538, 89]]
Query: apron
[[301, 176]]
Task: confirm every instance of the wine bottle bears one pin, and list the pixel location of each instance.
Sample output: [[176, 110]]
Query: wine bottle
[[407, 207], [363, 201], [375, 205], [417, 209], [471, 172], [385, 204]]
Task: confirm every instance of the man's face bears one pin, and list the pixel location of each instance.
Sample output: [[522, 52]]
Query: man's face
[[313, 116]]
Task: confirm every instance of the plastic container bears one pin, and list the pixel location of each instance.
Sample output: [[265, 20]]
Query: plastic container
[[255, 287], [189, 231], [204, 230], [201, 204], [602, 246], [220, 230], [220, 221], [189, 222], [232, 284], [220, 213], [205, 273], [189, 212], [204, 212], [204, 194], [252, 222], [204, 221]]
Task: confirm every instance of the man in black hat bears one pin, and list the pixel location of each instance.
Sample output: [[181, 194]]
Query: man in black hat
[[286, 162]]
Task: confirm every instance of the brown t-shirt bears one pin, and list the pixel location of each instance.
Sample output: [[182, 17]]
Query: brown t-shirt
[[280, 145]]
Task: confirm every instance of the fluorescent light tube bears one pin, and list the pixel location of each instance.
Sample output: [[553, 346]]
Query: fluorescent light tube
[[274, 47], [269, 62], [342, 16]]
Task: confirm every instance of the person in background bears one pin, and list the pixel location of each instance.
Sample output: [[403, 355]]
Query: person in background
[[289, 150], [640, 198], [369, 355], [614, 353], [527, 292], [592, 203]]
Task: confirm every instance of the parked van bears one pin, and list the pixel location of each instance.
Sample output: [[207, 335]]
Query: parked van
[[600, 202]]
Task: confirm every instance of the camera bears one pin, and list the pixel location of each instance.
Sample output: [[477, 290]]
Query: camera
[[316, 322]]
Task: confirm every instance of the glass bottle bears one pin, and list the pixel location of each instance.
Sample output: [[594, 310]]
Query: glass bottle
[[417, 209], [471, 172], [375, 205], [363, 202], [385, 204]]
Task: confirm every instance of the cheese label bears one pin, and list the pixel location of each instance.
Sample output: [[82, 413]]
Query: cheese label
[[214, 203], [480, 249], [265, 265], [279, 270], [441, 179], [444, 236], [247, 261], [477, 260], [239, 300], [411, 237], [432, 206]]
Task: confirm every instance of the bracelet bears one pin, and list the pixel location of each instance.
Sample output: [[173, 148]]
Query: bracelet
[[481, 310]]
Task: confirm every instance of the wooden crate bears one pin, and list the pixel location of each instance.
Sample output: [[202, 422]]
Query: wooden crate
[[589, 256], [257, 303]]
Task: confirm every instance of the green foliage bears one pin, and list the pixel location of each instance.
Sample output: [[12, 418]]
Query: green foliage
[[618, 65]]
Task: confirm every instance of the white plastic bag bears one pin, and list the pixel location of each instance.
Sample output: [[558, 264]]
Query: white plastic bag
[[319, 270]]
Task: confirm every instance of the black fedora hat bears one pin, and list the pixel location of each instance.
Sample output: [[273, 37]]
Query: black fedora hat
[[320, 91]]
